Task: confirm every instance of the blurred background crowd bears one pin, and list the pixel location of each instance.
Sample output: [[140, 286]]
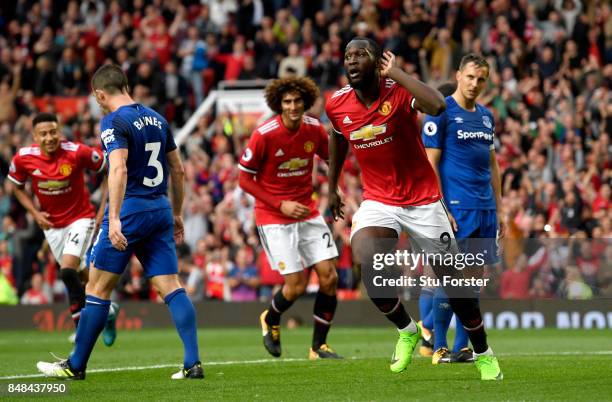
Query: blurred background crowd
[[549, 90]]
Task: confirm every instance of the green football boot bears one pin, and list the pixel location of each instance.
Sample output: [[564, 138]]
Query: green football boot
[[403, 350]]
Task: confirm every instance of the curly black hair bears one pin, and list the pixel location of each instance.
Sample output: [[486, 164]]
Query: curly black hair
[[276, 89]]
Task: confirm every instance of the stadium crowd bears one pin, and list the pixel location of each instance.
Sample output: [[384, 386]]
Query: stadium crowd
[[549, 90]]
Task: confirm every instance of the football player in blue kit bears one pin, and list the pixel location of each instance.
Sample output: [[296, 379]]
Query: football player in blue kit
[[139, 219], [459, 145]]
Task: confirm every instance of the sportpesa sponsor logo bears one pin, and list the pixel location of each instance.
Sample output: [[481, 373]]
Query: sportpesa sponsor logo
[[469, 135]]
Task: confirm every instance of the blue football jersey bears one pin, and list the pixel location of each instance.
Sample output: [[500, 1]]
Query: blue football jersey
[[147, 137], [466, 139]]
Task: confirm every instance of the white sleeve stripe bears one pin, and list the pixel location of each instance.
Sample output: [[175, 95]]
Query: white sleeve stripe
[[245, 169], [412, 103], [334, 128], [14, 180], [103, 165]]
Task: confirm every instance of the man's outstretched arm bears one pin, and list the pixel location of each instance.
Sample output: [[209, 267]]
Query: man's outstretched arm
[[426, 99]]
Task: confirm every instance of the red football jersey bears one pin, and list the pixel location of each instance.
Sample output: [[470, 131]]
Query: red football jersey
[[57, 180], [387, 143], [282, 161]]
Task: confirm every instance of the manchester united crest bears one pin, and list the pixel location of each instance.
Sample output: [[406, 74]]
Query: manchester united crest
[[65, 169], [309, 146], [385, 108]]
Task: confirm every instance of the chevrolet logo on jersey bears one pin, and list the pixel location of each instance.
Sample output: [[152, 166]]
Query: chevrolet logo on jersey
[[53, 184], [293, 164], [368, 132]]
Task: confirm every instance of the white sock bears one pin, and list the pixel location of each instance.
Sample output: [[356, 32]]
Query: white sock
[[488, 352], [410, 328]]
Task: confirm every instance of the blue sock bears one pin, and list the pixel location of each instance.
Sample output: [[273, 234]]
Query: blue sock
[[425, 303], [183, 315], [442, 313], [93, 318], [428, 321], [461, 336]]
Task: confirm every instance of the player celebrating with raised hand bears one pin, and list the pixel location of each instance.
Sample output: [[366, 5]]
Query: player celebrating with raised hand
[[138, 219], [459, 145], [55, 168], [376, 113], [276, 168]]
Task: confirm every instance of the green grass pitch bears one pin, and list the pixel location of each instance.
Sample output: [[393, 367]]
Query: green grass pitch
[[538, 365]]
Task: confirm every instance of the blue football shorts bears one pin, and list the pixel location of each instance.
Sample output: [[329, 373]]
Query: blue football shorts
[[478, 232], [150, 236]]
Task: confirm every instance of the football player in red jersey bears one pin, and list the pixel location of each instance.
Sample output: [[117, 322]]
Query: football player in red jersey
[[55, 168], [276, 168], [377, 114]]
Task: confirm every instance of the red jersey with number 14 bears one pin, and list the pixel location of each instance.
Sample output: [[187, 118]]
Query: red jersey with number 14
[[57, 180], [282, 161], [387, 143]]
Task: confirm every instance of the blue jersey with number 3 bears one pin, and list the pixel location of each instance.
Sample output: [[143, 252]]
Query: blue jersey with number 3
[[146, 135]]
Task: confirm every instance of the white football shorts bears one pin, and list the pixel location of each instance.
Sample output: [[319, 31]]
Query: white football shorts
[[73, 239], [292, 247], [427, 226]]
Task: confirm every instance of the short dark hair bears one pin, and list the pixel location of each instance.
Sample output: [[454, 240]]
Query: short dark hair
[[110, 78], [43, 118], [276, 89], [447, 89], [475, 58], [372, 45]]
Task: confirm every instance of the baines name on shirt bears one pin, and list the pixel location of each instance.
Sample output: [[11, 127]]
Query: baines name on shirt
[[147, 121]]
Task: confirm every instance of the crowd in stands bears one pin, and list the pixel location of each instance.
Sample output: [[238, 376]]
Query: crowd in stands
[[549, 90]]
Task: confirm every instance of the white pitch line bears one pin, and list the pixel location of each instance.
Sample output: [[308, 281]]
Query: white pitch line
[[262, 361], [567, 353], [157, 366]]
